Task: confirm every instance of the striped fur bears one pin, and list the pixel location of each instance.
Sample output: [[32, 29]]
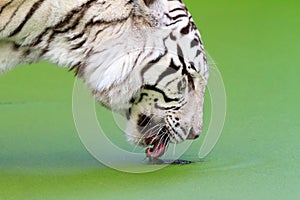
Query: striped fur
[[142, 57]]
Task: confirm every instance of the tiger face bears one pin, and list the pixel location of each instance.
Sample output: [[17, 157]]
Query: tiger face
[[169, 109]]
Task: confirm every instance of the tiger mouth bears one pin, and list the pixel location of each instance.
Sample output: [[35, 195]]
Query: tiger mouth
[[158, 146]]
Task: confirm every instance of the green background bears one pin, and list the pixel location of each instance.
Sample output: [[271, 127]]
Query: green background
[[256, 46]]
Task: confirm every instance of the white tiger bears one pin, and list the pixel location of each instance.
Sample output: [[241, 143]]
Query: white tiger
[[141, 57]]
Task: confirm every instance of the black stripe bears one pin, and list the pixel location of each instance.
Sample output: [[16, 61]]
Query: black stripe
[[175, 132], [96, 35], [129, 2], [173, 37], [176, 9], [185, 30], [77, 36], [175, 79], [194, 43], [204, 58], [181, 58], [16, 47], [28, 16], [167, 108], [173, 66], [198, 37], [192, 65], [179, 85], [80, 44], [99, 31], [138, 57], [72, 67], [128, 113], [150, 64], [166, 73], [26, 53], [12, 16], [198, 53], [149, 2], [142, 97], [143, 120], [39, 38], [77, 12], [144, 70], [66, 20], [5, 5], [178, 16], [154, 88], [174, 22], [171, 69], [68, 17], [46, 49], [191, 83], [76, 22], [194, 27]]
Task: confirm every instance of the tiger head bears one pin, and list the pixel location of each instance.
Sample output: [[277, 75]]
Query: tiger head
[[156, 73], [169, 105]]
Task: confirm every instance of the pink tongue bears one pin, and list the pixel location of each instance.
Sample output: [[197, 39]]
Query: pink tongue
[[156, 151]]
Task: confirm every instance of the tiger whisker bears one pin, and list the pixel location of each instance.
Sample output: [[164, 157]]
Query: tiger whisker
[[158, 128]]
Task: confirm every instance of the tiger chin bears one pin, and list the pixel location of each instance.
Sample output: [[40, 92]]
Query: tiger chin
[[142, 58]]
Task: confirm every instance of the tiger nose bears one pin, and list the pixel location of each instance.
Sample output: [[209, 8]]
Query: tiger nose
[[192, 135]]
